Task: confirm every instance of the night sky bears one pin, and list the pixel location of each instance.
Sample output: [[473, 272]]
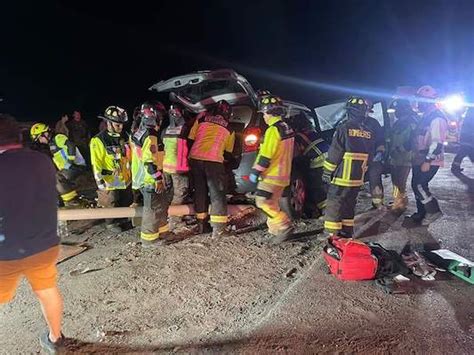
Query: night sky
[[59, 56]]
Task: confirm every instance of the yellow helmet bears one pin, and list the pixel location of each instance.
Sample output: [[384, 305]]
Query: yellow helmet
[[37, 130]]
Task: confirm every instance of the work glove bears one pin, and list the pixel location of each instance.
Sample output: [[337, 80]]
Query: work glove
[[327, 177], [425, 167], [253, 178], [101, 185]]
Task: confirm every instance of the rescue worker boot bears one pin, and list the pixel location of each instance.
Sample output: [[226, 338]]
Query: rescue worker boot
[[76, 202], [114, 228], [149, 244], [219, 231], [168, 236], [203, 226], [400, 203], [433, 213], [283, 235]]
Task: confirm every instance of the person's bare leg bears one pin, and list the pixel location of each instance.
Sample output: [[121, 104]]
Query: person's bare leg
[[52, 307]]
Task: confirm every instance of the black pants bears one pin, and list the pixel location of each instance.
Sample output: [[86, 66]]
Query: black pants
[[209, 182], [375, 182], [155, 213], [317, 191], [464, 151], [340, 210], [425, 201]]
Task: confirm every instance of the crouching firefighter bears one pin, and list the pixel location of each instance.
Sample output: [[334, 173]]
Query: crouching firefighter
[[351, 149], [110, 160], [272, 167], [69, 162], [211, 139], [175, 163], [311, 150], [148, 177]]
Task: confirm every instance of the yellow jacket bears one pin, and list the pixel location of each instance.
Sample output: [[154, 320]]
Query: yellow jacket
[[147, 159], [65, 153]]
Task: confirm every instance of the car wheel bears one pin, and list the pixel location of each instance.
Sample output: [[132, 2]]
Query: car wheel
[[295, 196]]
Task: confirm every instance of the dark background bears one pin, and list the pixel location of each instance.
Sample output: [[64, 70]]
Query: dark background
[[61, 55]]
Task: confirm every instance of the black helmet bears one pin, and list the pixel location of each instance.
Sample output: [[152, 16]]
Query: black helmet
[[357, 106], [223, 109], [115, 114], [272, 105]]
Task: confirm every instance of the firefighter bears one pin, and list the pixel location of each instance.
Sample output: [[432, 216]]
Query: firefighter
[[428, 155], [147, 176], [352, 147], [272, 167], [212, 141], [400, 150], [110, 159], [175, 163], [66, 157], [466, 140], [311, 150]]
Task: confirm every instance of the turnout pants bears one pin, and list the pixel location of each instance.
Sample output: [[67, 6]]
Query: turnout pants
[[425, 201], [180, 188], [267, 199], [209, 181], [155, 213], [65, 183], [114, 198], [464, 151], [375, 182], [317, 191], [340, 210], [399, 176]]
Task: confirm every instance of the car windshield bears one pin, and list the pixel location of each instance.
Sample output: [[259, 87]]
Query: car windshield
[[330, 115], [207, 89]]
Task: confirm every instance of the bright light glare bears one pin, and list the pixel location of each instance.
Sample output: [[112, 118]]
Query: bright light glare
[[251, 139], [453, 103]]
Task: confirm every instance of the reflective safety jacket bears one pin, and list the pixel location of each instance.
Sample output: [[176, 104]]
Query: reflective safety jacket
[[110, 159], [275, 155], [430, 135], [147, 159], [312, 146], [352, 147], [212, 138], [176, 150], [65, 153]]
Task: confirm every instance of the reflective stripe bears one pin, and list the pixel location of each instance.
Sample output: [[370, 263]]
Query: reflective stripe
[[163, 229], [259, 167], [219, 219], [348, 222], [149, 236], [347, 183], [332, 225], [322, 204], [329, 166], [356, 156], [69, 196], [201, 215]]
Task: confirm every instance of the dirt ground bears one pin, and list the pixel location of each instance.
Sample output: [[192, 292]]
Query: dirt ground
[[241, 294]]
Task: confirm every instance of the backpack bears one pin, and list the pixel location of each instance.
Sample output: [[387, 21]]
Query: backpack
[[350, 259]]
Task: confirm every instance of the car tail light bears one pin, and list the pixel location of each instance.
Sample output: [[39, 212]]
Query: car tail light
[[252, 139]]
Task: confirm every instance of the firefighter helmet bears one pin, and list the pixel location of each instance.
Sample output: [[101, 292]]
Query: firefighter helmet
[[272, 105], [427, 91], [223, 109], [115, 114], [357, 106], [37, 130], [150, 115]]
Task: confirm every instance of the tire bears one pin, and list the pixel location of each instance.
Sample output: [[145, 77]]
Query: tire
[[294, 198]]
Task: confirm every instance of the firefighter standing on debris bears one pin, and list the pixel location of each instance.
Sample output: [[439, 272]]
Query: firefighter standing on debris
[[400, 150], [67, 159], [148, 177], [110, 160], [212, 140], [311, 150], [428, 155], [175, 163], [272, 167], [351, 149]]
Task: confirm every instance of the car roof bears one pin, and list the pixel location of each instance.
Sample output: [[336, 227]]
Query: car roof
[[296, 105]]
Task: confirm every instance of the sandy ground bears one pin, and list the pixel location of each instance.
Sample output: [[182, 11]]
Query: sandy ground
[[241, 294]]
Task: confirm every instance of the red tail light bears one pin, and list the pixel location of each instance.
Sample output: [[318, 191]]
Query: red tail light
[[252, 139]]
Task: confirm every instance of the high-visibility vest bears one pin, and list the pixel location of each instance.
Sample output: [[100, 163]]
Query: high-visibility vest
[[275, 156], [110, 159], [65, 153], [176, 150]]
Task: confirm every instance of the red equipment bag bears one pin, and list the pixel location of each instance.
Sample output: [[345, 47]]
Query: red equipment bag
[[350, 259]]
